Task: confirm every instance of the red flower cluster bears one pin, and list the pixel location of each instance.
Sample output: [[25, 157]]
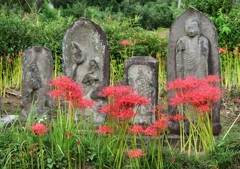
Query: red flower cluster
[[66, 89], [201, 94], [123, 101], [105, 130], [124, 42], [221, 50], [177, 117], [138, 153], [39, 129], [157, 109], [153, 130], [136, 129]]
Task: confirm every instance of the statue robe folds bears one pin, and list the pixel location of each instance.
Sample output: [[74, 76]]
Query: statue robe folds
[[192, 57]]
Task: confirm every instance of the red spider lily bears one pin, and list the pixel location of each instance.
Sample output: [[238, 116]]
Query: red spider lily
[[117, 91], [160, 125], [213, 79], [125, 114], [150, 131], [177, 117], [201, 94], [136, 129], [68, 135], [125, 42], [105, 130], [162, 117], [221, 50], [39, 129], [157, 108], [123, 101], [66, 89], [183, 84], [137, 153]]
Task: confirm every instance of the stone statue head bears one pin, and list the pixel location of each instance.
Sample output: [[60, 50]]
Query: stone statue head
[[192, 27]]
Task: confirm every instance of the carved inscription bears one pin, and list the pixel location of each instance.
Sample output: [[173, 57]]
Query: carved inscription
[[140, 78]]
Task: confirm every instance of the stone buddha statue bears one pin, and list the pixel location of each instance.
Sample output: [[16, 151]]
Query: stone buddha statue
[[192, 52]]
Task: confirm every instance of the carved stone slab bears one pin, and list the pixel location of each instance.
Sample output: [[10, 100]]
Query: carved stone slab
[[193, 51], [37, 67], [141, 73], [86, 61]]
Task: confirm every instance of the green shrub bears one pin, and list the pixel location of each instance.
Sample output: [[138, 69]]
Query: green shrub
[[211, 7], [18, 31], [227, 152], [154, 14], [146, 43], [228, 28]]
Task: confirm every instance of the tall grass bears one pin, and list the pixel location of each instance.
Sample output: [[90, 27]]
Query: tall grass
[[230, 69], [10, 73]]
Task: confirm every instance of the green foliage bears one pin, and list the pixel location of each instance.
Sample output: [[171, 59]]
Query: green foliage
[[18, 31], [211, 7], [227, 28], [226, 155], [154, 14], [227, 152], [146, 43], [76, 10], [25, 5]]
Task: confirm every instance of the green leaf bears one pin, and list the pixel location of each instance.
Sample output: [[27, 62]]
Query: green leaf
[[49, 160]]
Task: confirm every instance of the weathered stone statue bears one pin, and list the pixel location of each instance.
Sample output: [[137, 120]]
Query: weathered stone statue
[[141, 73], [193, 51], [86, 61], [37, 67]]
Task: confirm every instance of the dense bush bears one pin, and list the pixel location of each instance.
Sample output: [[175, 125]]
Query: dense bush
[[154, 14], [211, 7], [145, 43], [228, 28], [18, 31]]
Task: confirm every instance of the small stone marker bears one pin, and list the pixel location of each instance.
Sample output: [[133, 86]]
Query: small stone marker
[[193, 51], [37, 67], [86, 61], [141, 73]]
